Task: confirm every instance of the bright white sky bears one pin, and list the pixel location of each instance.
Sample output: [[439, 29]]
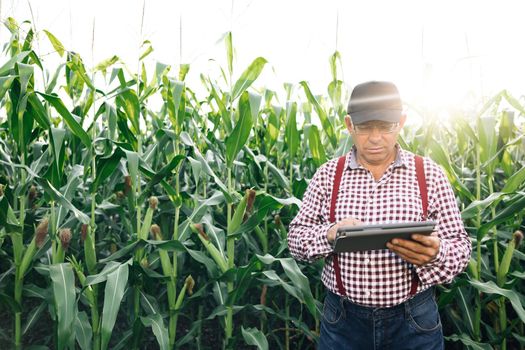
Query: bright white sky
[[438, 52]]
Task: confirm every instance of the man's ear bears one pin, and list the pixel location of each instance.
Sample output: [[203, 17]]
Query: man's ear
[[402, 120], [349, 125]]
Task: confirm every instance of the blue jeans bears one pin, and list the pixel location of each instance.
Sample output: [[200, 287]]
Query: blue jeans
[[414, 324]]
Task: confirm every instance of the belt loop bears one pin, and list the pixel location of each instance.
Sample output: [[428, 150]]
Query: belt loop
[[342, 304]]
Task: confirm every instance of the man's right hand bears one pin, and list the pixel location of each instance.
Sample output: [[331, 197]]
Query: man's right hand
[[330, 235]]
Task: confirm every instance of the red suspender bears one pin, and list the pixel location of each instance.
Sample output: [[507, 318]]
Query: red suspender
[[335, 190], [421, 181]]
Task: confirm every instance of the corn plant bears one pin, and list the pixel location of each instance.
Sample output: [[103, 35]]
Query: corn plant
[[166, 209]]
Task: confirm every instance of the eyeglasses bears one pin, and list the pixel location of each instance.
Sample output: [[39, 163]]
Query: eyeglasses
[[382, 128]]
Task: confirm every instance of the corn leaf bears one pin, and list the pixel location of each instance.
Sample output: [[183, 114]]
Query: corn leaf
[[5, 84], [25, 73], [335, 91], [334, 59], [469, 342], [248, 77], [57, 137], [10, 302], [8, 218], [71, 122], [133, 167], [34, 316], [63, 282], [38, 111], [236, 140], [291, 133], [515, 181], [160, 175], [59, 197], [325, 122], [253, 336], [147, 51], [102, 276], [57, 45], [514, 102], [159, 329], [114, 291], [83, 331], [487, 143], [229, 51], [129, 102], [513, 206], [316, 146], [255, 105], [491, 288], [298, 279], [475, 206], [106, 166], [10, 64]]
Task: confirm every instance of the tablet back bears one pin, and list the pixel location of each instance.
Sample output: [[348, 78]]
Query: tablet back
[[372, 237]]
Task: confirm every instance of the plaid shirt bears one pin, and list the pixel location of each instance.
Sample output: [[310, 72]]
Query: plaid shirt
[[379, 278]]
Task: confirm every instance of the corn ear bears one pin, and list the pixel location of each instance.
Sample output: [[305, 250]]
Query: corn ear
[[65, 238], [262, 238], [167, 268], [82, 279], [238, 216], [163, 254], [189, 283], [147, 223], [501, 275], [89, 251], [214, 252], [473, 268], [280, 227], [41, 232], [28, 257]]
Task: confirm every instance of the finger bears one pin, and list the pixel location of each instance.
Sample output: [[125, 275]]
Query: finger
[[414, 250], [408, 244], [429, 241], [350, 222], [414, 245], [403, 251], [418, 260], [407, 258]]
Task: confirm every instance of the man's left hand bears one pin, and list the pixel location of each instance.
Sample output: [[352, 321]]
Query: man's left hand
[[420, 251]]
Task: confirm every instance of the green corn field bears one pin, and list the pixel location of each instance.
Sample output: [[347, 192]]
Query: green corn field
[[139, 212]]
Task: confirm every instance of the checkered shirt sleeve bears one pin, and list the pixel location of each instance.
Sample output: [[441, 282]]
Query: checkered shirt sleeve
[[307, 232]]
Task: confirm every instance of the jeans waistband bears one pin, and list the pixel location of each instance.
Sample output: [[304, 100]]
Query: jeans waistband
[[380, 312]]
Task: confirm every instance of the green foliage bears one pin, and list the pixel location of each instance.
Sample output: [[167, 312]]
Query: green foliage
[[88, 149]]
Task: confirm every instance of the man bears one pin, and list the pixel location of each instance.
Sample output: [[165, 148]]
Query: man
[[381, 298]]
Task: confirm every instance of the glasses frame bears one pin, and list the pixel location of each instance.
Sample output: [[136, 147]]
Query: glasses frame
[[392, 129]]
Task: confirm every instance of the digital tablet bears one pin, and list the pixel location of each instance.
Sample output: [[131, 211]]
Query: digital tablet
[[371, 237]]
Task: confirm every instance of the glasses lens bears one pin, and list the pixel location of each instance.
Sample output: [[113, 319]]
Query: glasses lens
[[368, 128]]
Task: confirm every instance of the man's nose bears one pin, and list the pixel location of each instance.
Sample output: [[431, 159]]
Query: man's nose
[[375, 133]]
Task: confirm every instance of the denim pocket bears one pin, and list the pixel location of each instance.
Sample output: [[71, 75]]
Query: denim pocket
[[332, 309], [425, 316]]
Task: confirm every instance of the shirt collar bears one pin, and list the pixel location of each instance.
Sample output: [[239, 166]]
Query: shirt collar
[[400, 161]]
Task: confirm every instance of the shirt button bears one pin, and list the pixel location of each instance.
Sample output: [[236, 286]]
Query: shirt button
[[367, 261], [367, 293]]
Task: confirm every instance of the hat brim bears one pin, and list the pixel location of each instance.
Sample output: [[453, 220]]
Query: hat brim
[[384, 115]]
